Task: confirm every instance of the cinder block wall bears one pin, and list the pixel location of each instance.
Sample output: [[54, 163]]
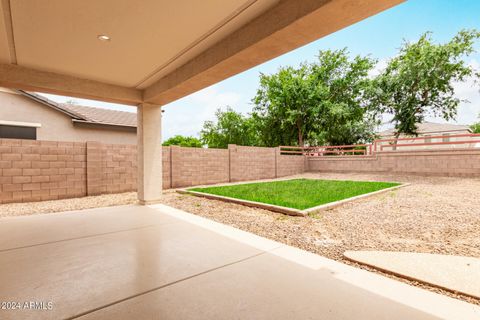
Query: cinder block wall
[[46, 170], [290, 164], [195, 166], [41, 170], [111, 168], [460, 163], [166, 167], [251, 163]]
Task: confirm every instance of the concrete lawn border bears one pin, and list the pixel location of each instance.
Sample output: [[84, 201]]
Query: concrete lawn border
[[286, 210]]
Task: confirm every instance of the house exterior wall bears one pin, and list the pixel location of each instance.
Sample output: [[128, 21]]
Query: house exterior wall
[[56, 126]]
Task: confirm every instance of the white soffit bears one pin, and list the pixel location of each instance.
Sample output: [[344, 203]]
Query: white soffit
[[149, 38], [20, 124]]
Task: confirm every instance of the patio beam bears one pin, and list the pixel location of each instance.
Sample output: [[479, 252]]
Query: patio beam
[[149, 150], [18, 77], [285, 27]]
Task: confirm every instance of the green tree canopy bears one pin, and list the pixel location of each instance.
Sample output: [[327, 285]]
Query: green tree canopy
[[230, 127], [475, 127], [336, 101], [183, 141], [419, 80], [320, 103], [284, 106]]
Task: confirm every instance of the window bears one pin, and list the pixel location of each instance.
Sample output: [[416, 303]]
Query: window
[[427, 138], [18, 132]]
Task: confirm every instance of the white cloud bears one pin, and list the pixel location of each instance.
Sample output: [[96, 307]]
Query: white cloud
[[379, 67], [469, 111], [186, 116]]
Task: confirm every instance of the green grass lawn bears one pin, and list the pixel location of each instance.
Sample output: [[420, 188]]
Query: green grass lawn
[[298, 193]]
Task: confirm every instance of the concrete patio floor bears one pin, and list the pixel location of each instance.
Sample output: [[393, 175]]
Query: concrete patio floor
[[162, 263], [453, 273]]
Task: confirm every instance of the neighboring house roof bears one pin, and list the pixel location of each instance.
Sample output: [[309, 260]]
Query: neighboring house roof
[[85, 114], [431, 127], [104, 116]]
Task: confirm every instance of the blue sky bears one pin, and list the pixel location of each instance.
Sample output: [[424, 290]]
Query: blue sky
[[379, 36]]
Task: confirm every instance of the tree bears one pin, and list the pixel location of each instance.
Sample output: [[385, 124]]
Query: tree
[[320, 103], [343, 93], [183, 141], [475, 127], [230, 127], [419, 81], [284, 106]]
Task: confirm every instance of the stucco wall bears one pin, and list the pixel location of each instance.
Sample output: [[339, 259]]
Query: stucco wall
[[57, 126]]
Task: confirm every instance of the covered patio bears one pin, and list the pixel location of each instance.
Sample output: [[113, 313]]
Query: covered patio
[[150, 261], [156, 262], [151, 54]]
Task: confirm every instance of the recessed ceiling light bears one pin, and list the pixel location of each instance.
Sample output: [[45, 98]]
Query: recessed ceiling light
[[103, 37]]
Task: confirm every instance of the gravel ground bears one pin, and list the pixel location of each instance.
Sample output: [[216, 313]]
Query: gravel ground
[[433, 215], [30, 208]]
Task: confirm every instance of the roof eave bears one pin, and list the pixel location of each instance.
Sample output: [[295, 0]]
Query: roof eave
[[103, 123], [51, 104]]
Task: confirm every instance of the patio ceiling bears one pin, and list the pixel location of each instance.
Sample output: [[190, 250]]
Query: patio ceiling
[[158, 51]]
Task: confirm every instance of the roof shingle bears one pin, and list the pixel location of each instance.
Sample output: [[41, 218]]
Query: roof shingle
[[104, 116], [87, 114], [430, 127]]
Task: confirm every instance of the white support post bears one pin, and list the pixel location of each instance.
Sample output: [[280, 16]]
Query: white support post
[[149, 148]]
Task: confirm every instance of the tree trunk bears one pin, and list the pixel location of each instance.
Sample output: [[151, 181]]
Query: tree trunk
[[397, 135], [300, 138], [300, 134]]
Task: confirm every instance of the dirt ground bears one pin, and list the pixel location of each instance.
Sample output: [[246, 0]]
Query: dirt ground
[[432, 215]]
